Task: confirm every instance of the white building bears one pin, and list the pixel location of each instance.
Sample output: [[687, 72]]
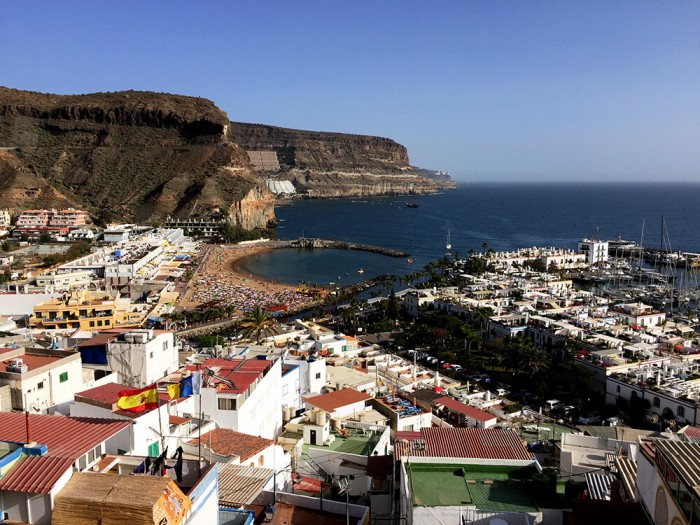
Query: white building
[[244, 395], [141, 357], [595, 251], [64, 280], [147, 428], [40, 379], [4, 218], [33, 474]]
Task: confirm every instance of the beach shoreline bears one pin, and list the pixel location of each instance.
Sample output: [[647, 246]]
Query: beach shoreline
[[220, 278]]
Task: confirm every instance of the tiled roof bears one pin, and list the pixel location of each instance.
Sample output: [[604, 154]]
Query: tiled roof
[[226, 442], [35, 474], [107, 393], [107, 396], [65, 437], [177, 420], [464, 409], [32, 361], [333, 400], [239, 485], [242, 372], [462, 443]]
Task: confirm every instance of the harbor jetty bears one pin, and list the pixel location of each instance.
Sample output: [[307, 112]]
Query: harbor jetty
[[306, 242]]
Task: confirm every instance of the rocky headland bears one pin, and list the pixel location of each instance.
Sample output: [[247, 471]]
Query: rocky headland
[[144, 156]]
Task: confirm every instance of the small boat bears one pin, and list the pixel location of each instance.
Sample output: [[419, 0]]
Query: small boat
[[410, 261], [360, 271], [411, 205]]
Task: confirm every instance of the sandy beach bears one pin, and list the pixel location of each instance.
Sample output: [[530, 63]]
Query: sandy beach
[[219, 278]]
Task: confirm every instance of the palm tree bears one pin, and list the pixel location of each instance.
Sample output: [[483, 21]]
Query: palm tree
[[257, 322]]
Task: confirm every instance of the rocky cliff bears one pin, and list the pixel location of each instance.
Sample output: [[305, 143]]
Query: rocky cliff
[[335, 164], [129, 155], [143, 156]]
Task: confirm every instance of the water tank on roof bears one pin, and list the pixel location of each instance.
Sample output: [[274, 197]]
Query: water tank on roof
[[140, 337], [321, 418], [129, 338]]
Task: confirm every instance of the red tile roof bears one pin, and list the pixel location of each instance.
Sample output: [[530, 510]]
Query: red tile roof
[[107, 395], [225, 442], [464, 409], [36, 474], [241, 372], [65, 437], [334, 400], [461, 443], [32, 361], [177, 420]]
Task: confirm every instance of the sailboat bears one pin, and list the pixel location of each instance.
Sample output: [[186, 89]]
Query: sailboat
[[448, 244]]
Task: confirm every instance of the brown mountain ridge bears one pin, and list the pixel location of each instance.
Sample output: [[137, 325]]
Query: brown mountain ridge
[[142, 156]]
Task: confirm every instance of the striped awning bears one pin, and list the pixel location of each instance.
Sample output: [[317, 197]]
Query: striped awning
[[599, 485]]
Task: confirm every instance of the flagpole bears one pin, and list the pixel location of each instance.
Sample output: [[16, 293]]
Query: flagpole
[[160, 421]]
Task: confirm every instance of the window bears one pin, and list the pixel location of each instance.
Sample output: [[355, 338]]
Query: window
[[165, 345], [40, 385], [657, 402], [99, 323], [63, 377], [680, 411], [285, 390], [153, 450], [618, 389], [92, 324], [226, 403], [151, 355], [318, 376]]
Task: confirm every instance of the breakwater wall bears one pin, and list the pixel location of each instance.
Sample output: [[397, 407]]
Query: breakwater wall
[[305, 242]]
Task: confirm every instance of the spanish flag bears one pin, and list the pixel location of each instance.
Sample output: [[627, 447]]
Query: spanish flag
[[138, 400]]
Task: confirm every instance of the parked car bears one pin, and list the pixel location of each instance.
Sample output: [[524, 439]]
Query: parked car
[[445, 365]]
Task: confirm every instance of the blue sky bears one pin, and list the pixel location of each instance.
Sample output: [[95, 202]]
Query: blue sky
[[488, 90]]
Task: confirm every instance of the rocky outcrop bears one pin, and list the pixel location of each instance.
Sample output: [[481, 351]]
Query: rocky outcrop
[[336, 164], [129, 155], [254, 210]]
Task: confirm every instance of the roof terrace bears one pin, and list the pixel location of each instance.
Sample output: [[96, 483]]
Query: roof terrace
[[486, 487]]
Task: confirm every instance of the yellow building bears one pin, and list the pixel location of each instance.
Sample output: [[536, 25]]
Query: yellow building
[[87, 311]]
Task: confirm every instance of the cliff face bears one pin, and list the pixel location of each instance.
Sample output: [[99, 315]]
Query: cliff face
[[131, 155], [143, 156], [336, 164]]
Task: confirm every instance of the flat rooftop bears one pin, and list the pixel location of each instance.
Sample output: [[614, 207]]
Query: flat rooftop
[[486, 487], [356, 443]]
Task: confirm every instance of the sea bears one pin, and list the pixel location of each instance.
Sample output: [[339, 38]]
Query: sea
[[502, 216]]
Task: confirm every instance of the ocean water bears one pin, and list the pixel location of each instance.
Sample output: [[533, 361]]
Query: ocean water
[[504, 216]]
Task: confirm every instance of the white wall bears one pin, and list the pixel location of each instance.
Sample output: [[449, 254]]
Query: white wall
[[290, 384], [260, 414], [142, 431], [142, 364]]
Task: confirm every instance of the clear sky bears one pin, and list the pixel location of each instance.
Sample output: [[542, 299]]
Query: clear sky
[[488, 90]]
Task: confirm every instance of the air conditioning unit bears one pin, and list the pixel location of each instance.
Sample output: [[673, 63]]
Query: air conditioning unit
[[17, 366], [140, 337]]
